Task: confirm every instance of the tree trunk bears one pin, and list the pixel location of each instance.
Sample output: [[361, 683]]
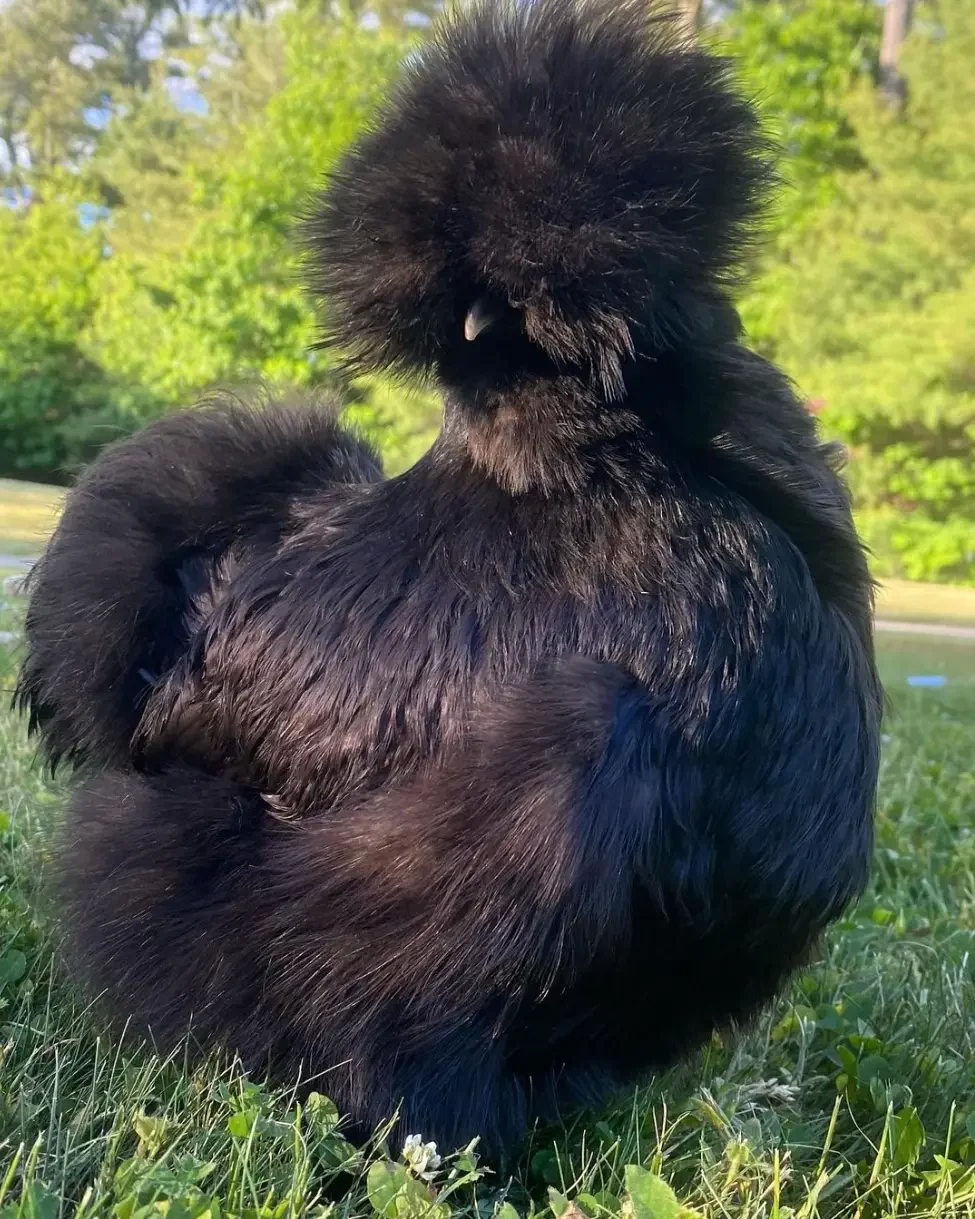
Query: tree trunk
[[690, 16], [897, 23]]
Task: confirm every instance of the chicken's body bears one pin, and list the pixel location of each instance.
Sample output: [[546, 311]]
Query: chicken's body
[[488, 788]]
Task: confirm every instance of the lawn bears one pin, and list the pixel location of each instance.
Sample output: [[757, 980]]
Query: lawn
[[28, 513], [854, 1097], [917, 602]]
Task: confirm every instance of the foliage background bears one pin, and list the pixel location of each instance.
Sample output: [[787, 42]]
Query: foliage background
[[154, 157]]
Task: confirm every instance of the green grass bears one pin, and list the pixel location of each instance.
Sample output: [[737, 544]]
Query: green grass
[[916, 602], [854, 1097], [28, 513], [905, 655]]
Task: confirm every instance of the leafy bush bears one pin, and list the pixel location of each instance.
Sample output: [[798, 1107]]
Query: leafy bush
[[798, 61], [228, 305], [871, 307], [138, 314], [52, 393]]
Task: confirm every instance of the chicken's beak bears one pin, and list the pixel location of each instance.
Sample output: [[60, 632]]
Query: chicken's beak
[[478, 319]]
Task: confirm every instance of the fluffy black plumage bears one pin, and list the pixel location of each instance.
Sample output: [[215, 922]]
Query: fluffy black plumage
[[573, 161], [491, 787], [141, 533]]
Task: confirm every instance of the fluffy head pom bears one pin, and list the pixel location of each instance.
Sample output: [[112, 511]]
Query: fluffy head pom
[[571, 162]]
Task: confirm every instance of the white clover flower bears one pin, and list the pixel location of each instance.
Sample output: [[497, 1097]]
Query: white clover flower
[[421, 1157]]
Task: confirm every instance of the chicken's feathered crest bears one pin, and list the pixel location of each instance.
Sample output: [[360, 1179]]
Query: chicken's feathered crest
[[574, 159]]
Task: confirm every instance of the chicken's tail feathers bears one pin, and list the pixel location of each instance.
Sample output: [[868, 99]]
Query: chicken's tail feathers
[[144, 535]]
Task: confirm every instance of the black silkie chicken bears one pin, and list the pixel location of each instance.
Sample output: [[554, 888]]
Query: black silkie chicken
[[489, 788]]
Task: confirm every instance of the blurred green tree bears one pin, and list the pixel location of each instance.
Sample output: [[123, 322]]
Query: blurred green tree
[[798, 59], [225, 303], [68, 66], [872, 307], [196, 280], [53, 395]]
